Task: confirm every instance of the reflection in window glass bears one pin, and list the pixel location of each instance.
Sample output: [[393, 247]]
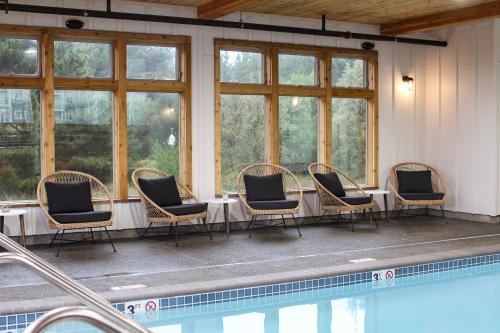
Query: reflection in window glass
[[298, 135], [244, 323], [349, 136], [297, 69], [83, 132], [82, 59], [242, 136], [298, 319], [348, 315], [348, 73], [151, 62], [18, 56], [153, 132], [19, 143], [241, 67]]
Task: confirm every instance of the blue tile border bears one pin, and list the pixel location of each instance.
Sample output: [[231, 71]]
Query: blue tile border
[[404, 275]]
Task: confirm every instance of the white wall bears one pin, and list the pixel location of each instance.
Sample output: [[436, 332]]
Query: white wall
[[449, 120]]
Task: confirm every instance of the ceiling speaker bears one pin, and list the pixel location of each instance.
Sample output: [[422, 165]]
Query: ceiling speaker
[[74, 24], [367, 46]]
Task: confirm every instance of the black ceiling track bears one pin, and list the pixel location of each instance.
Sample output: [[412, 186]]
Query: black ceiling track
[[212, 23]]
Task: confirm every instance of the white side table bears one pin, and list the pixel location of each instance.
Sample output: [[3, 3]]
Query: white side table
[[225, 203], [15, 212], [384, 193]]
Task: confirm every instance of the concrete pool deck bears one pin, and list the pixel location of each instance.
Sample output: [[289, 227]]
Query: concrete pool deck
[[271, 255]]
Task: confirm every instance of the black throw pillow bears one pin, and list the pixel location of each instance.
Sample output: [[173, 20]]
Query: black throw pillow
[[264, 188], [69, 197], [162, 191], [331, 182], [414, 181]]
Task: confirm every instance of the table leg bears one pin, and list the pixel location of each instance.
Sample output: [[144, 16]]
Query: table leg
[[23, 229], [1, 223], [386, 208], [226, 218]]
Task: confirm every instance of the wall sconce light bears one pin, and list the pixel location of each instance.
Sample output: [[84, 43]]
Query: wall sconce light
[[408, 83]]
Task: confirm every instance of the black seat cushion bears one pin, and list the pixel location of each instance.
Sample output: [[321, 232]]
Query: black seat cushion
[[422, 196], [162, 191], [331, 182], [81, 217], [273, 204], [186, 209], [414, 181], [68, 197], [264, 188], [356, 200]]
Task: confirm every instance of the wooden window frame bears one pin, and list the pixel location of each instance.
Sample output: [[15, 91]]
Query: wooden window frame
[[118, 84], [272, 90]]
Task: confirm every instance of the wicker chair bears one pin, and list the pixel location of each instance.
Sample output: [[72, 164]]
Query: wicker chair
[[291, 189], [158, 215], [101, 202], [437, 198], [331, 203]]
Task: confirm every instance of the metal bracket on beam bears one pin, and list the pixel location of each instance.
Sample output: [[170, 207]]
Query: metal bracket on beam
[[108, 6], [323, 22]]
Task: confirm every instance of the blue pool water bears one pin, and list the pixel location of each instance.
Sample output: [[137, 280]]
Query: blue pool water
[[463, 300], [458, 301]]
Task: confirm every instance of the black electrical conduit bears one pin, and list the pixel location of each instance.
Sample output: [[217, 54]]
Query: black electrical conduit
[[211, 23]]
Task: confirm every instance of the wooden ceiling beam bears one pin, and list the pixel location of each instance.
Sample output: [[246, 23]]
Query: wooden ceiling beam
[[433, 21], [218, 8]]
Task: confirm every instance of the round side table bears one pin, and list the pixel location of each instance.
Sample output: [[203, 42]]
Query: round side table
[[225, 203], [380, 192], [15, 212]]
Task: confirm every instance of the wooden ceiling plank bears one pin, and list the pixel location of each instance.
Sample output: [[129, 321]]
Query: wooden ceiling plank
[[428, 22], [219, 8]]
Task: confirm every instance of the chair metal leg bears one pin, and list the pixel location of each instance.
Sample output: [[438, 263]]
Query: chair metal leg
[[54, 238], [284, 222], [322, 216], [254, 218], [297, 225], [110, 240], [442, 212], [400, 211], [338, 217], [352, 223], [428, 213], [373, 217], [92, 234], [145, 231], [364, 211], [176, 242], [250, 223], [59, 244], [204, 221]]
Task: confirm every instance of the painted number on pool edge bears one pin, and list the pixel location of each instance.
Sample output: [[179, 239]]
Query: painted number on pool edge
[[150, 305], [383, 278]]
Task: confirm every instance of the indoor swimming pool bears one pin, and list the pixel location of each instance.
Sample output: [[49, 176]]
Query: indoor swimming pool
[[435, 297]]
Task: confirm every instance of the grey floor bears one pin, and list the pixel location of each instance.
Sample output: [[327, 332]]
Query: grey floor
[[156, 262]]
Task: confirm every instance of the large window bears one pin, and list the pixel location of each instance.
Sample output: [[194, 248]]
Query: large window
[[18, 56], [19, 143], [242, 135], [93, 84], [349, 72], [349, 135], [153, 121], [297, 69], [299, 135], [82, 59], [316, 104], [151, 62], [83, 131], [241, 67]]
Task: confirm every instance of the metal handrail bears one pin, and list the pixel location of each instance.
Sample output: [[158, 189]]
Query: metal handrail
[[96, 303], [74, 313]]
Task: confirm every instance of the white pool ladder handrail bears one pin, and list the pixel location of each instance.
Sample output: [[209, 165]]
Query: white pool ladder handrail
[[99, 306]]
